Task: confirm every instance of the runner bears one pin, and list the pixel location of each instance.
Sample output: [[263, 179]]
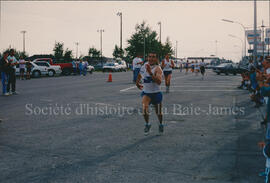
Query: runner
[[192, 67], [151, 74], [167, 65], [202, 68], [197, 68], [186, 67]]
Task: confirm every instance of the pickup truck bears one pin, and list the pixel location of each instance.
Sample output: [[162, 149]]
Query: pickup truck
[[65, 67]]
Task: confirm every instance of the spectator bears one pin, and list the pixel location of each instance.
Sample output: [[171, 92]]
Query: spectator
[[4, 69], [28, 69], [85, 64], [74, 67], [12, 74], [137, 64], [81, 67], [22, 67]]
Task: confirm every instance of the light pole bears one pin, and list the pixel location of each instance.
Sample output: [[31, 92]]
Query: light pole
[[238, 39], [23, 32], [255, 34], [244, 28], [121, 25], [77, 44], [262, 26], [100, 31], [176, 49], [159, 23], [216, 47]]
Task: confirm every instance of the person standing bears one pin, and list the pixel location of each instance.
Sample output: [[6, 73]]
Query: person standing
[[167, 65], [4, 69], [74, 67], [202, 68], [137, 64], [22, 67], [28, 69], [151, 73], [186, 66], [12, 74]]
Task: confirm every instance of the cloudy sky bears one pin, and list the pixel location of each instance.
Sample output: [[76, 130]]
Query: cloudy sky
[[195, 25]]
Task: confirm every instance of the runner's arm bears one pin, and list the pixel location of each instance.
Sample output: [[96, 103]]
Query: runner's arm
[[138, 81], [173, 65], [162, 64], [157, 77]]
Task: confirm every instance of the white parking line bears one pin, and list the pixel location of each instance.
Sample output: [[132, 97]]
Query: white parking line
[[126, 89]]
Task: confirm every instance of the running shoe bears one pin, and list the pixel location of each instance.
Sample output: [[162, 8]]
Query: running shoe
[[147, 129], [15, 93], [161, 129]]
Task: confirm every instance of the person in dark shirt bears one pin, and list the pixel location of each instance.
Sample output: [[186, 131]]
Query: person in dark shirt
[[4, 69]]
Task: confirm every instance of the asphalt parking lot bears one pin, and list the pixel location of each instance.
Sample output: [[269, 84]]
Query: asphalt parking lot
[[83, 129]]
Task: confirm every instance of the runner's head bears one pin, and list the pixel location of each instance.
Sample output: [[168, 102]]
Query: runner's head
[[11, 52], [152, 59], [167, 56]]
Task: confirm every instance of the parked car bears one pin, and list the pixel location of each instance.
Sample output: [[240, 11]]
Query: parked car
[[227, 68], [36, 71], [52, 70], [122, 65], [111, 67], [90, 69], [98, 67], [65, 67]]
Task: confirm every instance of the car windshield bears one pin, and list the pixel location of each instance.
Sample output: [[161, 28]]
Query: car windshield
[[109, 64]]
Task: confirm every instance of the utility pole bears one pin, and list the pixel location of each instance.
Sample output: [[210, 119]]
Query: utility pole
[[176, 49], [121, 26], [23, 32], [255, 34], [101, 31], [159, 23], [77, 44], [263, 38]]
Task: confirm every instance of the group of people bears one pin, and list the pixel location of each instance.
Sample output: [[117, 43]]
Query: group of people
[[256, 79], [196, 67], [80, 68], [8, 72]]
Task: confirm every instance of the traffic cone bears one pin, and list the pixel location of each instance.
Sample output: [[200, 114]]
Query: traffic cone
[[110, 77]]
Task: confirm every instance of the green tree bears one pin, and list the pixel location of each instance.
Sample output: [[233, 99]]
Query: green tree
[[58, 50], [94, 53], [68, 55], [118, 52], [143, 33]]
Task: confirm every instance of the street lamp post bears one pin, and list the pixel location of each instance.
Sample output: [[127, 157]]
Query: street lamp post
[[121, 25], [238, 39], [262, 26], [244, 28], [23, 32], [77, 44], [100, 31], [176, 49], [216, 47], [159, 23]]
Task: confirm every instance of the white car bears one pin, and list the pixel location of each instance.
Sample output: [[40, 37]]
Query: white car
[[122, 65], [90, 69], [36, 71], [50, 70], [111, 67]]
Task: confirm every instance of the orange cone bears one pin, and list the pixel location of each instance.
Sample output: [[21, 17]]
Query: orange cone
[[110, 77]]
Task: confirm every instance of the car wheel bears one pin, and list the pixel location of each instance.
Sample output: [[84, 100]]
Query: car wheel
[[234, 73], [36, 74], [218, 73], [51, 73], [66, 72], [226, 73]]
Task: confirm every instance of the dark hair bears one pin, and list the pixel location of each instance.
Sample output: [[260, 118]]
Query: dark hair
[[6, 52]]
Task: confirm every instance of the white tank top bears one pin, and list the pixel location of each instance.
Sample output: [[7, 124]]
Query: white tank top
[[168, 65], [149, 86]]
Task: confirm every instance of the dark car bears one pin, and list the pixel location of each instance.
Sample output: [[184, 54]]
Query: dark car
[[98, 67], [227, 68]]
